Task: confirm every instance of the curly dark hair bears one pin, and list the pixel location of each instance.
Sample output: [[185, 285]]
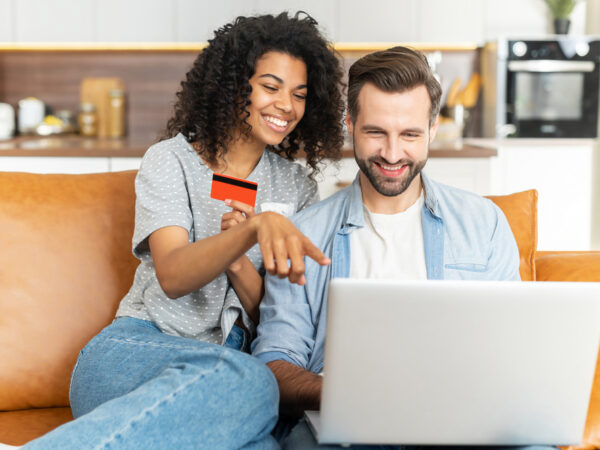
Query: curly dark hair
[[215, 93]]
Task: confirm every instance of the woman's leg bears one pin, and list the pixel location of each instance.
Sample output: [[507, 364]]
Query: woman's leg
[[135, 387]]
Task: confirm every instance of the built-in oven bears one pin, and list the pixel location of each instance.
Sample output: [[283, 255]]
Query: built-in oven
[[541, 88]]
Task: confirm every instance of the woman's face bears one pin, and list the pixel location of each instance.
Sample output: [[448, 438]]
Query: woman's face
[[278, 97]]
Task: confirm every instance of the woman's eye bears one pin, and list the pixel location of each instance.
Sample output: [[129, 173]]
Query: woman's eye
[[270, 88], [300, 96]]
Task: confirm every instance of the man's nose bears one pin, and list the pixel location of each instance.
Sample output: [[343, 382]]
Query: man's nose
[[392, 151]]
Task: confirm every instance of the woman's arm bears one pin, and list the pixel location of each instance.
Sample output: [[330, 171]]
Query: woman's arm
[[182, 267], [245, 279], [248, 285]]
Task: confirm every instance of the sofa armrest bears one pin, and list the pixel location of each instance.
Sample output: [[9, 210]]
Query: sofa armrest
[[567, 266], [576, 266]]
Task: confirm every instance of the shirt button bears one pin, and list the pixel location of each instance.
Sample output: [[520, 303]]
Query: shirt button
[[439, 231]]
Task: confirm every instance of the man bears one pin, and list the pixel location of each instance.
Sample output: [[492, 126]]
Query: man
[[392, 222]]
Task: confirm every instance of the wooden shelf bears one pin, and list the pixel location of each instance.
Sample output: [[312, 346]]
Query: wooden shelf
[[77, 146]]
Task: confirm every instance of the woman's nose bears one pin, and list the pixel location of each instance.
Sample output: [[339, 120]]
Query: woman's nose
[[284, 103]]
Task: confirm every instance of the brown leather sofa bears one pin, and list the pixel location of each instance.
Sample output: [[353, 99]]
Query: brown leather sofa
[[65, 263]]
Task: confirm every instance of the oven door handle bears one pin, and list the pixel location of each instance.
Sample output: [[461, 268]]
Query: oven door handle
[[549, 65]]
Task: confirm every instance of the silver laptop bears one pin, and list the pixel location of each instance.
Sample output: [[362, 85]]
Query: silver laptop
[[457, 362]]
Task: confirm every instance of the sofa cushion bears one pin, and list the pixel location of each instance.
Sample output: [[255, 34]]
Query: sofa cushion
[[567, 266], [520, 210], [20, 427], [66, 263]]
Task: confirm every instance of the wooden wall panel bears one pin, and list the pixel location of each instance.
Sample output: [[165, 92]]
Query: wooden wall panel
[[151, 80]]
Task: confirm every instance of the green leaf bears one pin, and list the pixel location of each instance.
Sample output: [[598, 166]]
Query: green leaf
[[561, 9]]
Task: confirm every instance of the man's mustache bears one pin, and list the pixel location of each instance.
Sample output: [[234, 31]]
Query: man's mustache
[[380, 160]]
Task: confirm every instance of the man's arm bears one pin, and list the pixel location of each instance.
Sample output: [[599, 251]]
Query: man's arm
[[299, 389]]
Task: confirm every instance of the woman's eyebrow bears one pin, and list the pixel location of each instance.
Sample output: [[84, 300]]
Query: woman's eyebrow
[[270, 75], [280, 81]]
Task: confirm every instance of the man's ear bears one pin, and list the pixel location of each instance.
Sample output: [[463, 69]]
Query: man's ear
[[349, 124], [433, 129]]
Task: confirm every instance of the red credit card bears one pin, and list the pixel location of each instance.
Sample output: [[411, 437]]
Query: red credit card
[[225, 187]]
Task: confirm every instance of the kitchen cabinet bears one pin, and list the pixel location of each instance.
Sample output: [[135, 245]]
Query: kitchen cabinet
[[442, 21], [6, 22], [54, 21], [562, 173], [51, 164], [119, 164]]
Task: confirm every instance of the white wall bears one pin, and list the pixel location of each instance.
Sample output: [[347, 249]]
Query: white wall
[[470, 21]]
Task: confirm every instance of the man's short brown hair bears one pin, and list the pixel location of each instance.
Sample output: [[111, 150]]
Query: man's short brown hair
[[396, 69]]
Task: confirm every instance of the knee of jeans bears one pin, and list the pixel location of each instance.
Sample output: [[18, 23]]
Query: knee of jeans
[[262, 381]]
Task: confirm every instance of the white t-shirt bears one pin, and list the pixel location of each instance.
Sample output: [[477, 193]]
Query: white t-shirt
[[390, 246]]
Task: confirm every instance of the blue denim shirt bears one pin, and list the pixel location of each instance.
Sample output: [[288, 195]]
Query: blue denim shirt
[[466, 237]]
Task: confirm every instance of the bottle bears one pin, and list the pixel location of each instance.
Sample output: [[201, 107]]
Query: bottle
[[88, 120], [116, 113], [31, 113]]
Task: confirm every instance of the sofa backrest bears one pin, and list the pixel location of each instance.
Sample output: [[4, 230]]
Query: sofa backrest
[[66, 262], [520, 210]]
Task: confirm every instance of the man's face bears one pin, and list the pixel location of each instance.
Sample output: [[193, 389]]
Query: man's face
[[391, 137]]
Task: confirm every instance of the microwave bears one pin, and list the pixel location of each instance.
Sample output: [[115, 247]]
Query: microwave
[[547, 87]]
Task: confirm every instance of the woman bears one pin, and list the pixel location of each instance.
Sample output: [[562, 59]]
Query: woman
[[167, 372]]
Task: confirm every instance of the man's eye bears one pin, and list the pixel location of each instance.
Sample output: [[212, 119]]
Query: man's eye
[[374, 132]]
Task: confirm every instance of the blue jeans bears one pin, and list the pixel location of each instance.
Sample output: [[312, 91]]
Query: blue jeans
[[302, 438], [136, 387]]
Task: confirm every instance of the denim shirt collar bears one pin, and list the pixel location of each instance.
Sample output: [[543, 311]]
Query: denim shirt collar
[[356, 214]]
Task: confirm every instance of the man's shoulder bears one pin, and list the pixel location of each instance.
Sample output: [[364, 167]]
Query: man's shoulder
[[460, 202], [324, 212]]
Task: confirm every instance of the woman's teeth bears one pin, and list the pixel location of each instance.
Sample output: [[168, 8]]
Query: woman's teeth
[[278, 122]]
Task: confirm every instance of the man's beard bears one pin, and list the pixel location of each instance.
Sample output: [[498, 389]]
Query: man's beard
[[388, 186]]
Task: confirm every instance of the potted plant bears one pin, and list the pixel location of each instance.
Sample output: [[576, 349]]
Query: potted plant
[[561, 10]]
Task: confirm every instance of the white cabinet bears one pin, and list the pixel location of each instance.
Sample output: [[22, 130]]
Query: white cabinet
[[470, 174], [53, 164], [119, 164], [60, 164], [441, 21], [6, 21], [53, 21], [562, 175], [137, 20]]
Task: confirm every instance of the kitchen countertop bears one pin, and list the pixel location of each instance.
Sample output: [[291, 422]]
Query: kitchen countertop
[[77, 146], [73, 146], [529, 142]]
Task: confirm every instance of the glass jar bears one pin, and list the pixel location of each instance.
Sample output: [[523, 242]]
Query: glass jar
[[88, 120], [116, 113]]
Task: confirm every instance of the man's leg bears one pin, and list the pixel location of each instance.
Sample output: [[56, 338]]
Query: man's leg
[[135, 387]]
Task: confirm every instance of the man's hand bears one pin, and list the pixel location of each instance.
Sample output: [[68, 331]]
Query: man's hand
[[280, 242], [299, 389]]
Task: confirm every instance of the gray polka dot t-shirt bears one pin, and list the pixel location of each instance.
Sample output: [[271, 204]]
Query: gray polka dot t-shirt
[[173, 188]]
